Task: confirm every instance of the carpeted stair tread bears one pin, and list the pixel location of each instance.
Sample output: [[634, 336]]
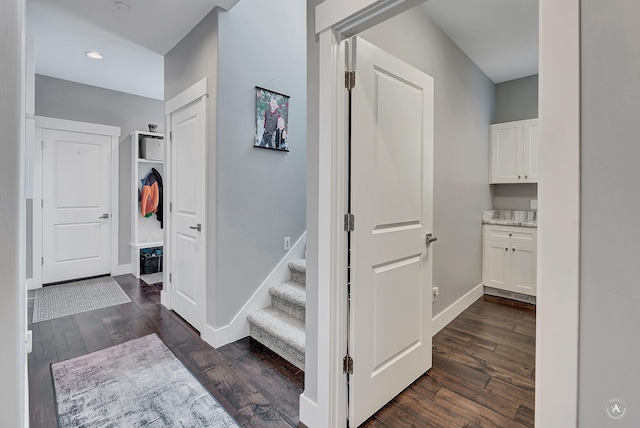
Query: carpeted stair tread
[[298, 269], [280, 326], [290, 291], [298, 265]]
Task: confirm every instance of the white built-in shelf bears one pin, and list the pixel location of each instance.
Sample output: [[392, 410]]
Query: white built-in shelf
[[145, 231]]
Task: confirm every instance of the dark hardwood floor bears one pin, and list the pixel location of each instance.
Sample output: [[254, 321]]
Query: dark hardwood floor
[[482, 375], [257, 387]]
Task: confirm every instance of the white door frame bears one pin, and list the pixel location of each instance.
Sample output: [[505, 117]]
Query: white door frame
[[184, 98], [72, 126], [559, 234]]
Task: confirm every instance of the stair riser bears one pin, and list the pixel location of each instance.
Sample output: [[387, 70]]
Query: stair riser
[[287, 352], [288, 307], [299, 277]]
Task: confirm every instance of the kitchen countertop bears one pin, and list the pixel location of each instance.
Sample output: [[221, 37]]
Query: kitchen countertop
[[511, 218]]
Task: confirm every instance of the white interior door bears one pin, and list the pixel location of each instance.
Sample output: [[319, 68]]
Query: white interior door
[[392, 201], [76, 226], [188, 229]]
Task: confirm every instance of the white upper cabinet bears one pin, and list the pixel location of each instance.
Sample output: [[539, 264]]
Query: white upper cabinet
[[514, 152]]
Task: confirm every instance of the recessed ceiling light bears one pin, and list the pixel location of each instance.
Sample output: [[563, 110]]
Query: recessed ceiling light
[[122, 6], [93, 55]]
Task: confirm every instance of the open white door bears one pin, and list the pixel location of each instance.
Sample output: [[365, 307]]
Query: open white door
[[392, 201], [188, 229], [76, 226]]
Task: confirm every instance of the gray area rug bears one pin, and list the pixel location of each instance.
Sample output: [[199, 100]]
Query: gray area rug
[[62, 300], [139, 383], [152, 278]]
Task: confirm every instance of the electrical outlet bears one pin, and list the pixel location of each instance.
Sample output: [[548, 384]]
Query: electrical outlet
[[436, 291], [287, 243]]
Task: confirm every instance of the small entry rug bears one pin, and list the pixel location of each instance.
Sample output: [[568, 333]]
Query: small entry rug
[[56, 301], [139, 383], [152, 278]]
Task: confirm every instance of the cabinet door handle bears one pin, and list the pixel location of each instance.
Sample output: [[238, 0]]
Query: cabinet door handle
[[526, 176], [198, 227], [509, 234], [519, 176], [506, 249], [514, 249]]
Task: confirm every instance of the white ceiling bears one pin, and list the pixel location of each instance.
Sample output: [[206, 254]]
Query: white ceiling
[[133, 43], [500, 36]]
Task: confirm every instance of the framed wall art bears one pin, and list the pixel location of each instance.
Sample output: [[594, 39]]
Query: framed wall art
[[272, 120]]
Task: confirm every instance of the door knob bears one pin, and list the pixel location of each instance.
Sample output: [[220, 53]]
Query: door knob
[[103, 216], [430, 239], [197, 227]]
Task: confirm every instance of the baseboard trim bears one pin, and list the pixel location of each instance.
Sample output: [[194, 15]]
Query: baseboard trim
[[122, 270], [216, 337], [441, 320], [30, 284], [308, 411]]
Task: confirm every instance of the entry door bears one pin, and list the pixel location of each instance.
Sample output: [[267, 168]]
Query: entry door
[[392, 200], [188, 229], [76, 225]]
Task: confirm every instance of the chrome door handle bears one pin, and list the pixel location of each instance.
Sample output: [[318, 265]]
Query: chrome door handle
[[430, 239], [198, 227], [103, 216]]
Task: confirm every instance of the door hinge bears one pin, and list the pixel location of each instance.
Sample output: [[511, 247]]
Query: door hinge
[[349, 79], [170, 135], [347, 365], [42, 145], [42, 261], [349, 222], [169, 276], [41, 203], [170, 206]]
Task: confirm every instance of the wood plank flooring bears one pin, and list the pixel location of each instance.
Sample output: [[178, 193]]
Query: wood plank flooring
[[258, 388], [482, 375]]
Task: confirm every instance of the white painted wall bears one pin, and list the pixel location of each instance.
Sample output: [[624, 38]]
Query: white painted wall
[[610, 203], [464, 101], [12, 215]]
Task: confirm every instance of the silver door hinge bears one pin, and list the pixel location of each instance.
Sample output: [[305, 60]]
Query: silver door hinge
[[42, 261], [349, 222], [349, 79], [170, 135], [169, 277], [170, 206], [42, 144], [41, 203], [347, 365]]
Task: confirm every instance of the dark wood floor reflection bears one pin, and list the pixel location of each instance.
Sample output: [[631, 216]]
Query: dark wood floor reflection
[[258, 388], [482, 376]]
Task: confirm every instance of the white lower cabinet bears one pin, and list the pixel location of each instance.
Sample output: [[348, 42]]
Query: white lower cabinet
[[509, 258]]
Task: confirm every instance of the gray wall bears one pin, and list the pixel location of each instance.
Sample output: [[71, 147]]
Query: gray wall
[[610, 203], [260, 194], [12, 222], [463, 110], [74, 101], [517, 99]]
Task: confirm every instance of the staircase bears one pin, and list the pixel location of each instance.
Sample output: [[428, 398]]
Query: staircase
[[280, 327]]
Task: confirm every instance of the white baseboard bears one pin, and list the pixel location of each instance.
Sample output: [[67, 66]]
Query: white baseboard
[[122, 270], [31, 285], [216, 336], [308, 411], [441, 320]]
